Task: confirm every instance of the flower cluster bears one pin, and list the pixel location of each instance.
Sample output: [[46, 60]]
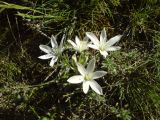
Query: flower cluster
[[87, 75]]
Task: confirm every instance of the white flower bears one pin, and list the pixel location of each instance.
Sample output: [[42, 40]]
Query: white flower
[[53, 52], [79, 45], [103, 45], [87, 77]]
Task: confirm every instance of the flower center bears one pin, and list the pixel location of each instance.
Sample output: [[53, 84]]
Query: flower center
[[57, 51], [88, 77], [82, 46], [103, 47]]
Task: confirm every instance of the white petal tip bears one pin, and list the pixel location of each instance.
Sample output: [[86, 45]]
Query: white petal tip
[[41, 47], [85, 92], [51, 65], [119, 37], [100, 92], [40, 57], [118, 48]]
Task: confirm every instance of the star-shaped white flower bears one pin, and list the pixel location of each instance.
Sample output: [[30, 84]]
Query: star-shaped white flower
[[53, 52], [103, 45], [79, 45], [87, 77]]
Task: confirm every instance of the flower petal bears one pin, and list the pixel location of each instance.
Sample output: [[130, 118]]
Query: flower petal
[[103, 36], [47, 56], [114, 48], [53, 60], [96, 87], [85, 38], [83, 45], [93, 46], [91, 65], [61, 43], [45, 48], [93, 38], [99, 74], [73, 44], [113, 40], [85, 86], [104, 53], [81, 69], [77, 41], [75, 79], [53, 42]]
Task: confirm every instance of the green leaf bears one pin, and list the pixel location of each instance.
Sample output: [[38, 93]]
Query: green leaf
[[18, 7]]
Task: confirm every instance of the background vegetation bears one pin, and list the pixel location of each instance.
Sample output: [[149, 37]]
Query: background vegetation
[[30, 89]]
